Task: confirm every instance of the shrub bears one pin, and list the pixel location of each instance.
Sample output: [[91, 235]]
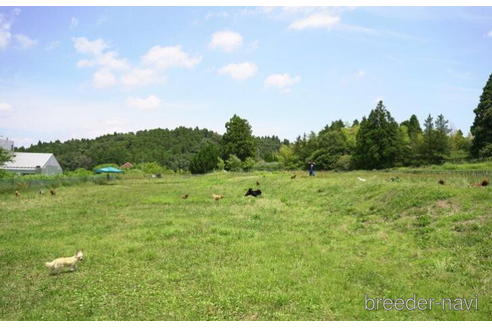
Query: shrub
[[151, 168], [220, 164], [101, 181], [267, 166], [343, 163], [205, 160], [79, 172], [6, 174], [233, 163], [486, 152], [248, 164], [287, 157]]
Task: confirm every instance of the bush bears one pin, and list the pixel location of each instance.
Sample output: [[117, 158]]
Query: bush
[[220, 164], [248, 164], [233, 163], [101, 181], [267, 166], [287, 157], [6, 174], [79, 173], [150, 168], [486, 152], [344, 163], [205, 160], [134, 172]]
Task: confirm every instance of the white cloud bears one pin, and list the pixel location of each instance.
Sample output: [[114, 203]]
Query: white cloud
[[360, 74], [5, 34], [52, 45], [84, 46], [4, 108], [25, 41], [86, 63], [150, 102], [103, 79], [318, 20], [241, 71], [115, 70], [74, 22], [110, 60], [169, 57], [141, 77], [281, 81], [489, 34], [226, 40]]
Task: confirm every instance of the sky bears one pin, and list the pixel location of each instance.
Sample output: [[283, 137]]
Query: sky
[[81, 72]]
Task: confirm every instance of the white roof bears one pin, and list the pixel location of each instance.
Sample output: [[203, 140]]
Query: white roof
[[28, 160]]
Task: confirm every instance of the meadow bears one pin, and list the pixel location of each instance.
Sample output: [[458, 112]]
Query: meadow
[[309, 248]]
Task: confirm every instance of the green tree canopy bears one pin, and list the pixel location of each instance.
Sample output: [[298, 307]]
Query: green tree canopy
[[332, 145], [377, 140], [238, 139], [413, 126], [5, 156], [436, 145], [482, 125], [205, 160]]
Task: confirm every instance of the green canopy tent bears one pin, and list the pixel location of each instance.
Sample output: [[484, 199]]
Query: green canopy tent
[[109, 170]]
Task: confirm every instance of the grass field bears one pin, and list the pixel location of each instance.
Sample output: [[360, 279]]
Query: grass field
[[307, 249]]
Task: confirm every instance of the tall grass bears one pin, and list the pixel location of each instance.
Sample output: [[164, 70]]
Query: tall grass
[[309, 248]]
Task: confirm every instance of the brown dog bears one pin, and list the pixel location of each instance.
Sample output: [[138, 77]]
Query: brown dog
[[217, 197]]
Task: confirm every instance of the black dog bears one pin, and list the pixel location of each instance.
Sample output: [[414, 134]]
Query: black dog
[[253, 193]]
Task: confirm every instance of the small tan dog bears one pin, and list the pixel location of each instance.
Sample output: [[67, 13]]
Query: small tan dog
[[59, 263], [217, 197]]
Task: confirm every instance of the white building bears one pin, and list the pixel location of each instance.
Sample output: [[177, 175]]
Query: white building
[[6, 144], [30, 163]]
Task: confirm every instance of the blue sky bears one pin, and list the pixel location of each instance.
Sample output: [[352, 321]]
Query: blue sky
[[71, 72]]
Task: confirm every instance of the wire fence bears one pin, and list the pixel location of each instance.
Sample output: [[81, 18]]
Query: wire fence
[[21, 183], [465, 173]]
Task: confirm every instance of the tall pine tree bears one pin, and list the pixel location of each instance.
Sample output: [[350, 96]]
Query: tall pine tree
[[482, 125], [377, 140], [413, 126], [238, 139]]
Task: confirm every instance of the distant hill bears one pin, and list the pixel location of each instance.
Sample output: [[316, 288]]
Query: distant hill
[[171, 148]]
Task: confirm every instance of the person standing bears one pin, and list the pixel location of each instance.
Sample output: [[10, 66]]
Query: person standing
[[311, 168]]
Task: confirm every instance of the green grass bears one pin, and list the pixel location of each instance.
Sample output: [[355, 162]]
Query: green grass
[[307, 249], [471, 166]]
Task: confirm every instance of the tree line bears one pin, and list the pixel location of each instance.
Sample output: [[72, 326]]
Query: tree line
[[375, 142]]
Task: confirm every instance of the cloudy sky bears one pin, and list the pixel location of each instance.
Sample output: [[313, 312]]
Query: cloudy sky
[[82, 72]]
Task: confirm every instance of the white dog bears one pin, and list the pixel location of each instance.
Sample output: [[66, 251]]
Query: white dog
[[62, 262]]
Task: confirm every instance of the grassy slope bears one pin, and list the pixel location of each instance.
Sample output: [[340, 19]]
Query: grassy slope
[[308, 249]]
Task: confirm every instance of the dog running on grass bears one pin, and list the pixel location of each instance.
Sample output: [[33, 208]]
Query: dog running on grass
[[441, 182], [17, 193], [294, 176], [52, 192], [253, 193], [185, 196], [63, 262], [217, 197], [484, 183]]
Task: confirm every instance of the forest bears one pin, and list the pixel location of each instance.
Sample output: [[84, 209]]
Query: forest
[[375, 142]]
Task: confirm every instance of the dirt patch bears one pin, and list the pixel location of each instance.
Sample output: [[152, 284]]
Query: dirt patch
[[445, 205]]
